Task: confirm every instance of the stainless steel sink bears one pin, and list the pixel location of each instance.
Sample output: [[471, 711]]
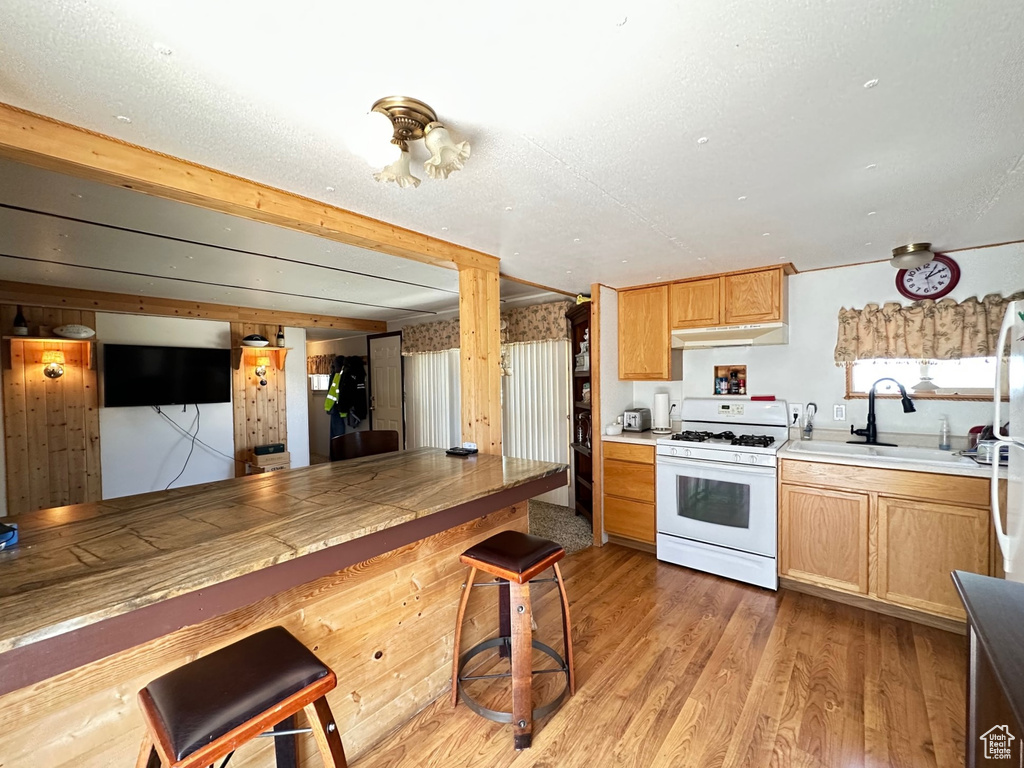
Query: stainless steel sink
[[900, 453]]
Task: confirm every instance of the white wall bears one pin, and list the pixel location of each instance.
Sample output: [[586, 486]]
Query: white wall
[[804, 370], [318, 422], [296, 399], [616, 395], [140, 451]]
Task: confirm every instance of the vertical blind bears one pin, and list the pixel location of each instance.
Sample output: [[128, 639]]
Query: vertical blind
[[535, 402], [432, 400]]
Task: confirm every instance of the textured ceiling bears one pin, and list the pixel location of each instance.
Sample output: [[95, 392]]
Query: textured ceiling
[[586, 120], [58, 230]]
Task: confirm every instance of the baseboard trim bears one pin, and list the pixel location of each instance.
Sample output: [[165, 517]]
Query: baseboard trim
[[643, 546], [870, 604]]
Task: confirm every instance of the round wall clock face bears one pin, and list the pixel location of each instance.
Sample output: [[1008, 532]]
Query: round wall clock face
[[929, 281]]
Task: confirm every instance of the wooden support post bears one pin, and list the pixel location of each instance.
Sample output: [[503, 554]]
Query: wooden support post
[[480, 355]]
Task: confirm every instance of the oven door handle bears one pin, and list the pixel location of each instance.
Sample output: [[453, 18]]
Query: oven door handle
[[672, 462]]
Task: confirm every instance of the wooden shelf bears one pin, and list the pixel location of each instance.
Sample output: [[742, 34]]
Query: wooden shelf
[[580, 448], [581, 374], [278, 354], [582, 405], [7, 339]]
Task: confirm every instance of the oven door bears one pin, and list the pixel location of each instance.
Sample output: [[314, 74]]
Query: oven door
[[727, 505]]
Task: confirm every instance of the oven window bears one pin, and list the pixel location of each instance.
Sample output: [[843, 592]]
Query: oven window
[[713, 501]]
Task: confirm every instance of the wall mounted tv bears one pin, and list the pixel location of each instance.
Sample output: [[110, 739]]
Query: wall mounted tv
[[136, 375]]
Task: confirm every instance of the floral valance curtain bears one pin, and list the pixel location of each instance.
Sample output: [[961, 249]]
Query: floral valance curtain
[[924, 330], [538, 322]]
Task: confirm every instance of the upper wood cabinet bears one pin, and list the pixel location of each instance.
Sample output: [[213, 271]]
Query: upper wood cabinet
[[740, 297], [696, 303], [644, 345]]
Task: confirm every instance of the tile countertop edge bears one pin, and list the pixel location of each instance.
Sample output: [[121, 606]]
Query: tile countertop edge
[[541, 472], [878, 462]]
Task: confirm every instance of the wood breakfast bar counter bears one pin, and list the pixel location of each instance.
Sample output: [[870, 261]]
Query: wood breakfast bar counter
[[357, 559]]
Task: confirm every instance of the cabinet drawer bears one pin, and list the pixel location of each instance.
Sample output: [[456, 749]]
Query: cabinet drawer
[[631, 519], [629, 481], [642, 454]]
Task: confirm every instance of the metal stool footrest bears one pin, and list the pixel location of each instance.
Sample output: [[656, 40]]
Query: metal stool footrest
[[499, 716]]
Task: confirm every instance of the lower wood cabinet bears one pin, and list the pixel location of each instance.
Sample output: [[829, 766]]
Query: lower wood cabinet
[[629, 491], [888, 536], [920, 543], [823, 537]]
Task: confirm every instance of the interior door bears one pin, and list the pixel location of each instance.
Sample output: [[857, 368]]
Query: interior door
[[386, 411]]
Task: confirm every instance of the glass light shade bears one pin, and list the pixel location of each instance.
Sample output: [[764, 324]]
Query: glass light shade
[[370, 139], [445, 155], [262, 361], [53, 356], [911, 260], [399, 172]]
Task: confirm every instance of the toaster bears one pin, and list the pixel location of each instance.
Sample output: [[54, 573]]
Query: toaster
[[636, 420]]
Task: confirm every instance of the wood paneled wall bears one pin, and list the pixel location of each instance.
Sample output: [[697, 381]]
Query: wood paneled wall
[[385, 627], [260, 413], [51, 426], [480, 353]]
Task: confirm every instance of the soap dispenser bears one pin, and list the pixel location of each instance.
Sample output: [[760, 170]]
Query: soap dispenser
[[944, 444]]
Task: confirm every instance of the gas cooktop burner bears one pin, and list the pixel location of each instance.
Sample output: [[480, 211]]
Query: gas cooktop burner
[[755, 441]]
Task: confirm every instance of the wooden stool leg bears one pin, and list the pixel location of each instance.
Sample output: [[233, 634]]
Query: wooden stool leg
[[567, 630], [286, 747], [522, 666], [325, 731], [148, 758], [458, 636], [504, 617]]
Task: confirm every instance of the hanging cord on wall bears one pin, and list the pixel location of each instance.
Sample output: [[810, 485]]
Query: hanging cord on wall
[[188, 434], [191, 448]]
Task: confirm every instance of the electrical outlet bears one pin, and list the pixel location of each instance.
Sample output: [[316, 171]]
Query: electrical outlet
[[675, 408], [796, 413], [838, 413]]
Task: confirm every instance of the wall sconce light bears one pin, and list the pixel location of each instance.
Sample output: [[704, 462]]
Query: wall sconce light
[[53, 363], [261, 369], [412, 120]]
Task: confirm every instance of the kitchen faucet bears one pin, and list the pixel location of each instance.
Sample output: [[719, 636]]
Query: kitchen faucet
[[870, 434]]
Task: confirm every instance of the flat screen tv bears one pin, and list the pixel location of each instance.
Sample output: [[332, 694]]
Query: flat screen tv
[[136, 375]]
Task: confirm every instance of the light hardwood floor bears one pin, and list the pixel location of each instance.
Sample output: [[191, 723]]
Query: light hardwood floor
[[678, 668]]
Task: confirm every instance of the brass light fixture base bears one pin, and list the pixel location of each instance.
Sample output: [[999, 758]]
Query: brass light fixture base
[[911, 248], [410, 117]]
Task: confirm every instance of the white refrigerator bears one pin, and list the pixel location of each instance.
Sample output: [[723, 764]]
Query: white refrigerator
[[1010, 535]]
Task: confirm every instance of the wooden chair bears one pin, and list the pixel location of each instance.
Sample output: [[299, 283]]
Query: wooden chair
[[355, 444], [206, 709]]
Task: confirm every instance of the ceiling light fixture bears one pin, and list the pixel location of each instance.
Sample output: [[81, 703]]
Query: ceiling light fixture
[[412, 120], [912, 255]]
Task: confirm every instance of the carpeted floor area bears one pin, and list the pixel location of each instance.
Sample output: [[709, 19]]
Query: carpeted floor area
[[560, 524]]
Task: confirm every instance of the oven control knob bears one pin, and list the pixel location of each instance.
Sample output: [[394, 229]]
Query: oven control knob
[[737, 457], [674, 452], [687, 452], [752, 459]]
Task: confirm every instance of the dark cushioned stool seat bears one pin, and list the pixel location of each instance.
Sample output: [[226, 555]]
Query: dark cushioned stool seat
[[203, 700], [514, 553]]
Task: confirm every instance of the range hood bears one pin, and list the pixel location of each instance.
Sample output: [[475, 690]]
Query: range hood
[[731, 336]]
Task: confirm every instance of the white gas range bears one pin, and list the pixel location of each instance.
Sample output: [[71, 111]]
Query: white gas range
[[716, 489]]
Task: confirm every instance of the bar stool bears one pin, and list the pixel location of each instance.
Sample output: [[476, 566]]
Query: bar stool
[[515, 559], [206, 709]]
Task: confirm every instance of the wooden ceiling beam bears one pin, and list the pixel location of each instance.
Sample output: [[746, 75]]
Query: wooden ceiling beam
[[55, 146], [33, 295]]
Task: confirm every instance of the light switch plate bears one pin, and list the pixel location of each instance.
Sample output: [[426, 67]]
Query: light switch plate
[[838, 413]]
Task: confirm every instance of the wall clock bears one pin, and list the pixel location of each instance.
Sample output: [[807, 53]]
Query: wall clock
[[929, 281]]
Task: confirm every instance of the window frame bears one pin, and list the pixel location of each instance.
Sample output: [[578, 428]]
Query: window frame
[[852, 395]]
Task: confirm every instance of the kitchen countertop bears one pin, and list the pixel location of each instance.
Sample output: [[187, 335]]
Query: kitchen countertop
[[80, 565], [790, 452], [637, 438]]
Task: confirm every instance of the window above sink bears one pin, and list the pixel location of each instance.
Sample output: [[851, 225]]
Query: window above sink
[[965, 379]]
